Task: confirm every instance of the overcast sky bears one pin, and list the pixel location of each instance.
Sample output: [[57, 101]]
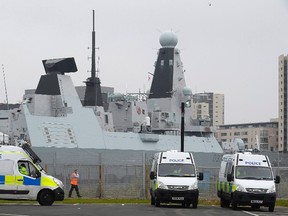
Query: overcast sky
[[227, 46]]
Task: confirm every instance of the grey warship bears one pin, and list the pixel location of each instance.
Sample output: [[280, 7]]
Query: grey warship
[[54, 118]]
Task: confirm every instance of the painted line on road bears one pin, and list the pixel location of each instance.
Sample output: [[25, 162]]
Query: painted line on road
[[3, 214], [250, 213]]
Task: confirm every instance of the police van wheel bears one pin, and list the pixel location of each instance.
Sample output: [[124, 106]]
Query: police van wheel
[[224, 203], [234, 205], [46, 198], [195, 204], [271, 208], [157, 202], [152, 200]]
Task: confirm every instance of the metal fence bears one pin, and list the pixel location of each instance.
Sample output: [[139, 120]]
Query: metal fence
[[132, 181], [125, 174]]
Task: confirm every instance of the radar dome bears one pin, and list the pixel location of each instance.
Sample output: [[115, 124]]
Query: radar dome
[[168, 39], [187, 91]]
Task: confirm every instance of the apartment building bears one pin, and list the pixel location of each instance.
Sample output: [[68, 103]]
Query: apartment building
[[262, 134], [283, 103], [209, 105]]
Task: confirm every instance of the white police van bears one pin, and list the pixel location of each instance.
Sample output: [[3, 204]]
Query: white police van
[[173, 179], [247, 179], [22, 177]]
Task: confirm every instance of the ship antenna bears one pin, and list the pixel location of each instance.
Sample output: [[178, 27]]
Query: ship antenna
[[93, 93], [5, 87], [93, 66]]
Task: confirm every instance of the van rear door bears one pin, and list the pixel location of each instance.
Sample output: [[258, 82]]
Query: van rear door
[[8, 186]]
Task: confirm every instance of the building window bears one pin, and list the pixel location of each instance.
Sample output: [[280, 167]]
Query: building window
[[264, 140], [245, 140], [236, 133], [223, 134], [264, 133]]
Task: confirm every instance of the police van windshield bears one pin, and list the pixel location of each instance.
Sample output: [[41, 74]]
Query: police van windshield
[[176, 170], [253, 172]]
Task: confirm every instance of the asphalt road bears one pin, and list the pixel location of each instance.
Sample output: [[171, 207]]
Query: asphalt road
[[129, 209]]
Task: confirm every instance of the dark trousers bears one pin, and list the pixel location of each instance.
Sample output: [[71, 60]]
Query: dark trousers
[[72, 188]]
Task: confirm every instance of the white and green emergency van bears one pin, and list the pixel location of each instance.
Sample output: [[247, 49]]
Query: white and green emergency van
[[174, 179], [247, 179], [22, 177]]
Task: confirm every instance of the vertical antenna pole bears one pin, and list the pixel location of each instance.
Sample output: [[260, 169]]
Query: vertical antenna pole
[[5, 87], [93, 66]]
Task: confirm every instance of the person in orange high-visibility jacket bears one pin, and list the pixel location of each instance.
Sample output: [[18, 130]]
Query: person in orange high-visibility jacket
[[74, 183]]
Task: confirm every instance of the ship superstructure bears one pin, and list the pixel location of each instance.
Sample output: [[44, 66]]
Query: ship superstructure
[[55, 117]]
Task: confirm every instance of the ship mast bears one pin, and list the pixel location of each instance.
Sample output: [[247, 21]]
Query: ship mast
[[93, 64], [93, 95]]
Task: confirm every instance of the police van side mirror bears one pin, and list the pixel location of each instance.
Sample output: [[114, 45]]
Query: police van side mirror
[[229, 177], [277, 179], [200, 176], [38, 174], [152, 175]]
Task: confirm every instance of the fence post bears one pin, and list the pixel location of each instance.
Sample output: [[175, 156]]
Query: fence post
[[147, 181], [100, 176], [100, 181]]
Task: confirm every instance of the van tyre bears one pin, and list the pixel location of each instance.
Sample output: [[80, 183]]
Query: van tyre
[[227, 205], [152, 200], [157, 202], [224, 203], [45, 198], [195, 204], [271, 207], [234, 205]]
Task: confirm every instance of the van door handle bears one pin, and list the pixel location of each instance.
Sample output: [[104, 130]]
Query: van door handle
[[20, 180]]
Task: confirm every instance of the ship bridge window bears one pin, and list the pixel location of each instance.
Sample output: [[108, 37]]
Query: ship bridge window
[[170, 62], [162, 63]]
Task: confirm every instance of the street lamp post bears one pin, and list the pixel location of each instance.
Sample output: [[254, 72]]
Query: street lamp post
[[182, 126]]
